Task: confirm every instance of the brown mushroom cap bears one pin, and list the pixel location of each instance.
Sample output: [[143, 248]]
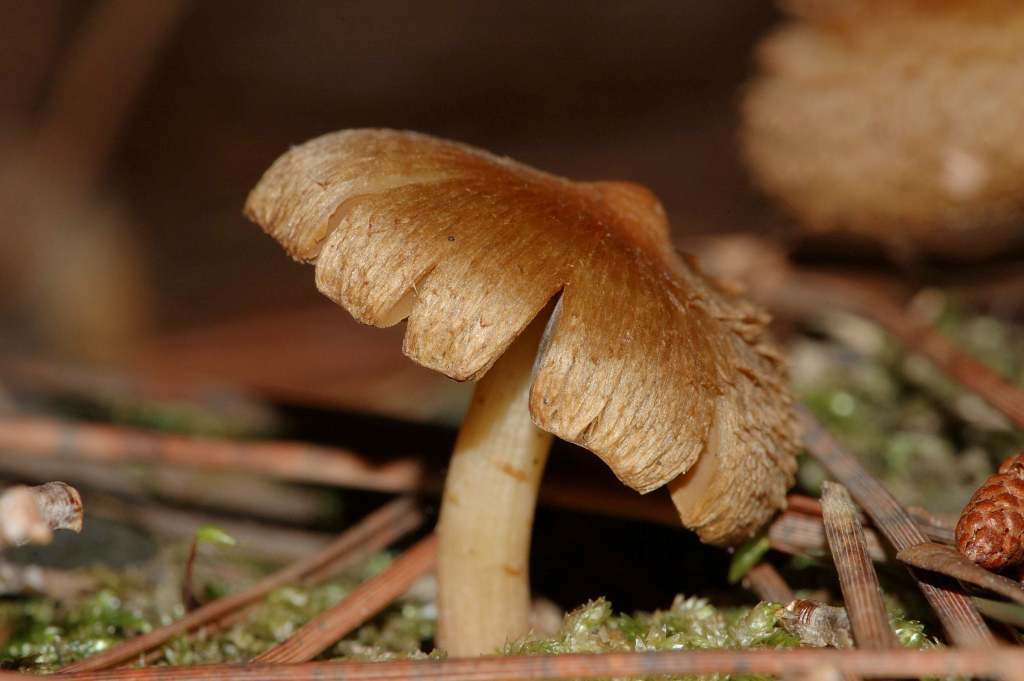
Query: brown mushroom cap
[[643, 359]]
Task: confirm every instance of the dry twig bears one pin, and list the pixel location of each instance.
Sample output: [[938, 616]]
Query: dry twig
[[960, 619], [998, 662], [1000, 611], [222, 492], [65, 440], [295, 461], [35, 376], [395, 518], [862, 593], [935, 527], [767, 584], [364, 602], [271, 542], [948, 561], [805, 293], [796, 533]]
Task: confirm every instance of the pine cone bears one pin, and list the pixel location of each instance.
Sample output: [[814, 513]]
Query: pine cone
[[991, 527]]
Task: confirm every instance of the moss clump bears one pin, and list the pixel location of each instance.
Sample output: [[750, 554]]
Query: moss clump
[[910, 633], [273, 621], [690, 624], [45, 634], [400, 633]]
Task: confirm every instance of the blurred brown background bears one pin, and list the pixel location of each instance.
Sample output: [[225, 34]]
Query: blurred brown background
[[132, 132]]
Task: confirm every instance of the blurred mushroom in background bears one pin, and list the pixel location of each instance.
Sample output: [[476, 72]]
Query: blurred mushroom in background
[[894, 122]]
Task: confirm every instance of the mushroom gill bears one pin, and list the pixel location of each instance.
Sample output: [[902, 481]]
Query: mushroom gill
[[643, 361]]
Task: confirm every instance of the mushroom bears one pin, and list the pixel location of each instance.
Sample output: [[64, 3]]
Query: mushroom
[[569, 306], [894, 122]]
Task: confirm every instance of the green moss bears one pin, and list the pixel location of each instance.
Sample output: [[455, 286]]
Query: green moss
[[400, 630], [689, 624], [46, 634], [400, 633], [929, 441]]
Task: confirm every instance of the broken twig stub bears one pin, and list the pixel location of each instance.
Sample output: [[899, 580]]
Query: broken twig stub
[[29, 515]]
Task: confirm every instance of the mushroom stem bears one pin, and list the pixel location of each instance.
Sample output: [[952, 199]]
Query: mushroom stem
[[487, 509]]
